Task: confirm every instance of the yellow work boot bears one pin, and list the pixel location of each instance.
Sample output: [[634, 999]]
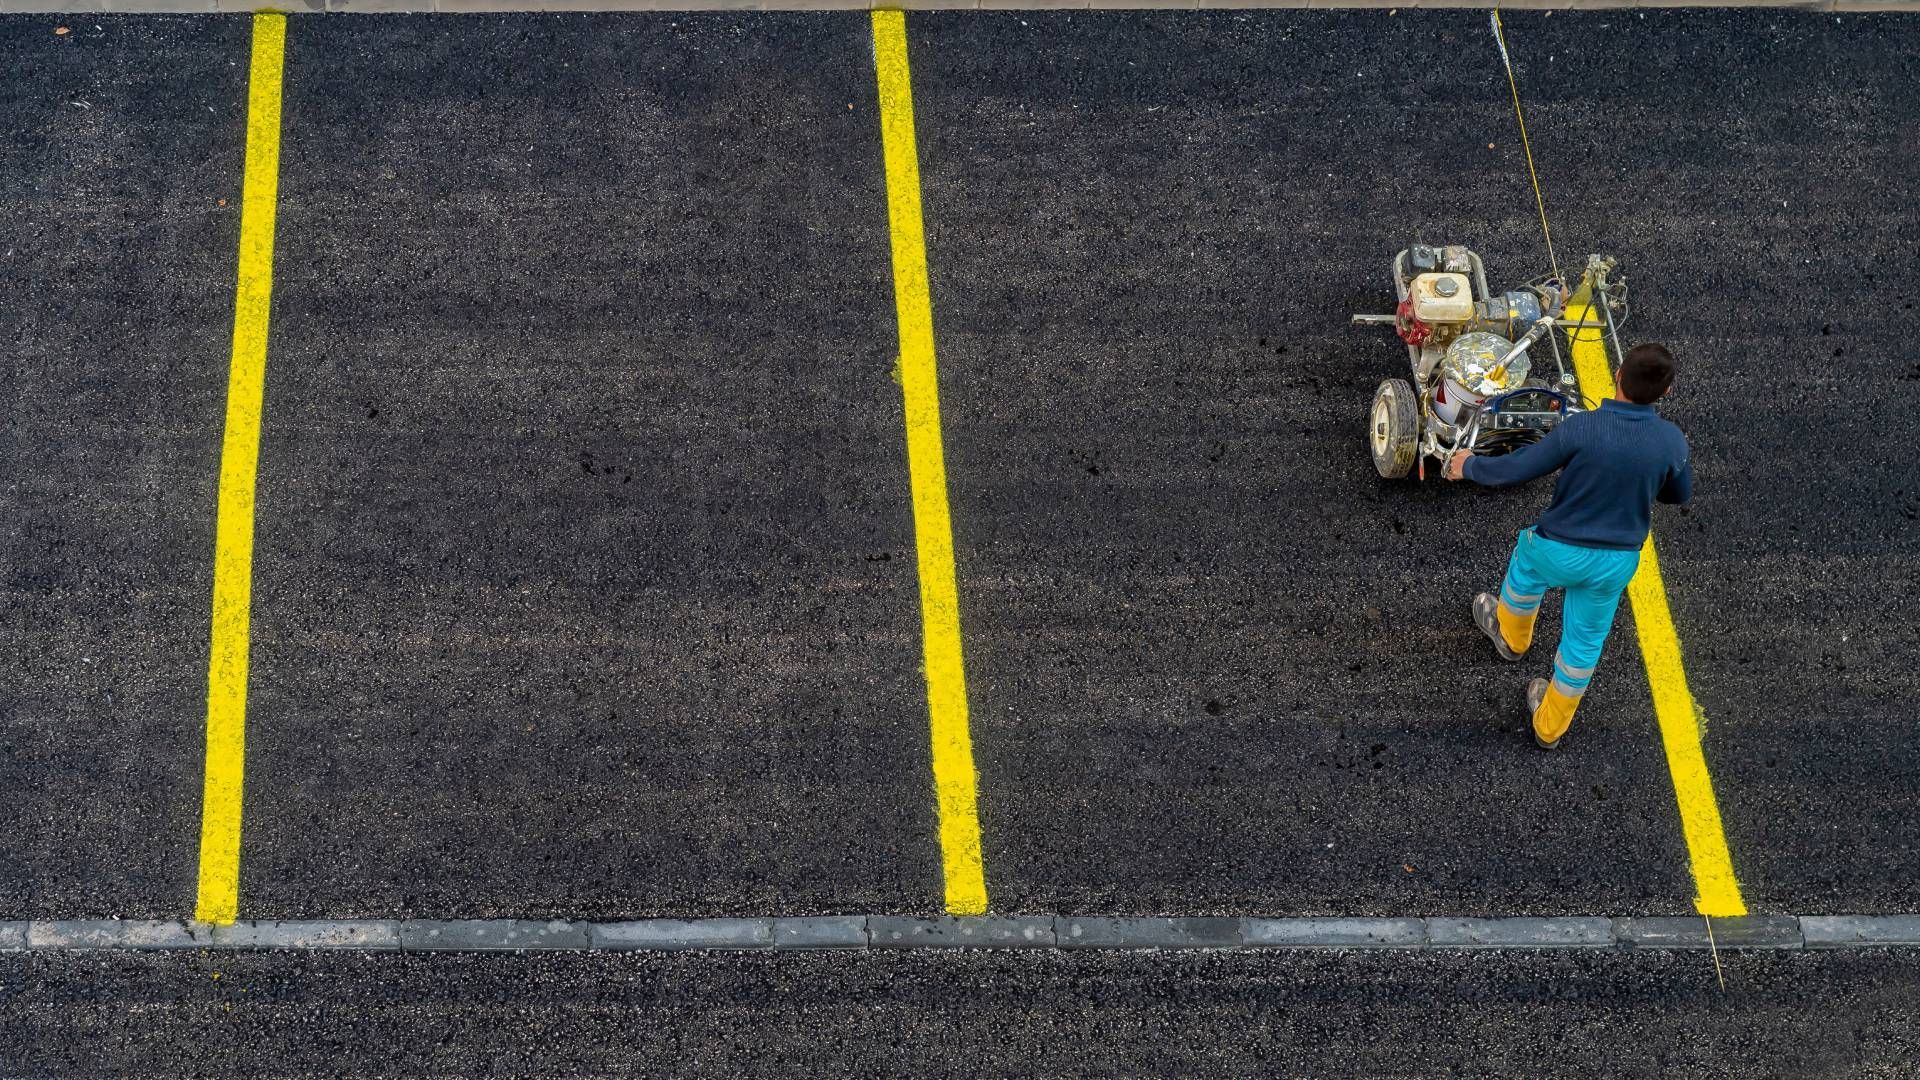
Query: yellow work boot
[[1511, 633], [1552, 712]]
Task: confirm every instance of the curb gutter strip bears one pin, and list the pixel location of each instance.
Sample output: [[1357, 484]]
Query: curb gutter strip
[[895, 932]]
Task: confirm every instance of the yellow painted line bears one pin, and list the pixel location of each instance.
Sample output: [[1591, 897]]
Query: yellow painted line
[[1673, 704], [219, 898], [954, 778]]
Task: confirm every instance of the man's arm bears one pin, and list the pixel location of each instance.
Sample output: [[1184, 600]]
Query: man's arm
[[1523, 465], [1679, 486]]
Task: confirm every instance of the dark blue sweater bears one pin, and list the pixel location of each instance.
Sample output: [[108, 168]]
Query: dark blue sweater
[[1616, 461]]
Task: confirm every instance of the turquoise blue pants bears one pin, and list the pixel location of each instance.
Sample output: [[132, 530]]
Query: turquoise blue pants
[[1594, 578]]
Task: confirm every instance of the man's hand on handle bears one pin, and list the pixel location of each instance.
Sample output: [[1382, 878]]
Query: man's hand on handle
[[1457, 464]]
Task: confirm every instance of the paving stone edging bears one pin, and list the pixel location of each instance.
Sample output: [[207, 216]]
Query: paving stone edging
[[464, 6], [889, 932]]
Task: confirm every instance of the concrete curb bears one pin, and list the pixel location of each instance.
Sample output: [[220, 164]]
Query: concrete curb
[[371, 934], [1572, 933], [1129, 932], [1335, 933], [821, 932], [473, 935], [895, 932], [1843, 931], [13, 937], [96, 7], [679, 934], [965, 932], [1751, 932], [74, 935]]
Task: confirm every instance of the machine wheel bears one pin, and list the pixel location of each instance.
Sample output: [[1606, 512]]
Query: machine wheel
[[1393, 428]]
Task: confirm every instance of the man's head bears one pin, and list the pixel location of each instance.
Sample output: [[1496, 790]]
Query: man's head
[[1647, 374]]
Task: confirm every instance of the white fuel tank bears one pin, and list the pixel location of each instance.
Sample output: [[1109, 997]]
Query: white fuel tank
[[1442, 298]]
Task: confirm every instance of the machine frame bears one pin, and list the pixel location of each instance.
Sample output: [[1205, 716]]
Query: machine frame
[[1403, 427]]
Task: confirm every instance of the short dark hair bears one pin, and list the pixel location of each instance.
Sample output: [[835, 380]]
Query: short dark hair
[[1647, 373]]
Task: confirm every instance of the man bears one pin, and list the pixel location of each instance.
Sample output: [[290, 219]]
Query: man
[[1615, 461]]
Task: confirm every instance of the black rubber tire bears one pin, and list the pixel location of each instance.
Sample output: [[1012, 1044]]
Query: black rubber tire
[[1393, 428]]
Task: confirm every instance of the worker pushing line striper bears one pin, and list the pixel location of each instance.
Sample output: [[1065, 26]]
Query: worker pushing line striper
[[1615, 462], [1480, 402]]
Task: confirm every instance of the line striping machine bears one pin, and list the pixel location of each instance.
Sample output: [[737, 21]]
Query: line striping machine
[[1474, 384]]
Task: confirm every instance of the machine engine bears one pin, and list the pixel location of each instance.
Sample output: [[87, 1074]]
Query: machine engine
[[1440, 305]]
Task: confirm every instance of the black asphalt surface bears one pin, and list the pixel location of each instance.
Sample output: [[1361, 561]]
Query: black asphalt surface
[[1208, 645], [964, 1014], [117, 145], [585, 581]]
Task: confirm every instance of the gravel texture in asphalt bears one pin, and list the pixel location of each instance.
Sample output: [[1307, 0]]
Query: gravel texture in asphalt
[[1208, 645], [120, 160], [963, 1014], [585, 586], [584, 579]]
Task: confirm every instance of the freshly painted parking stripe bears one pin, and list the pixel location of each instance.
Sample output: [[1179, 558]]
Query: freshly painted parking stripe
[[219, 892], [954, 778], [1673, 704]]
